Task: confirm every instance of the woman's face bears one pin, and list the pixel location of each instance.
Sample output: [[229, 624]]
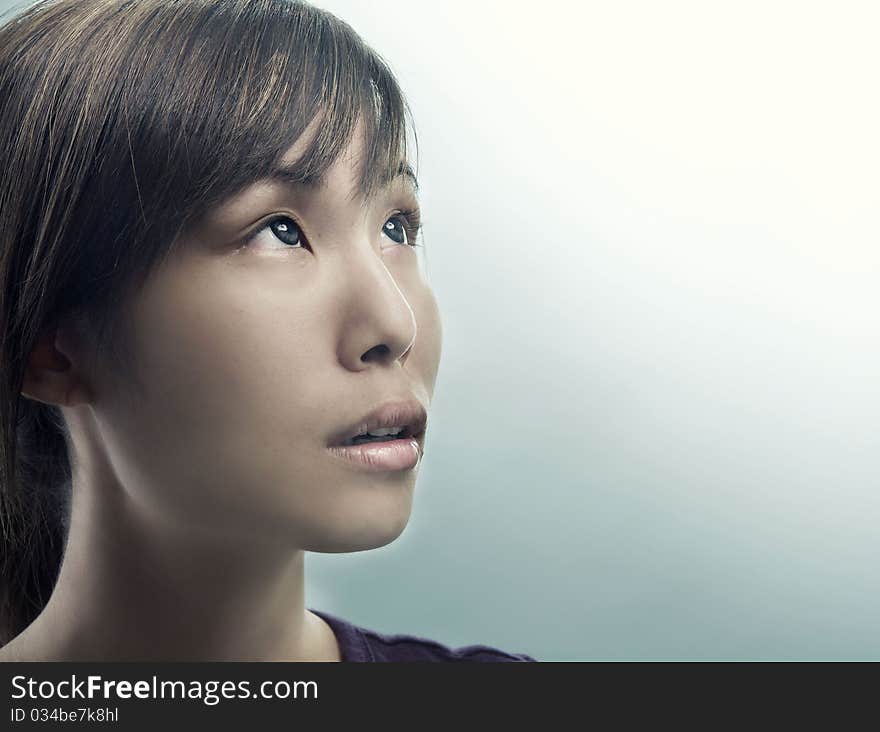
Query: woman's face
[[251, 356]]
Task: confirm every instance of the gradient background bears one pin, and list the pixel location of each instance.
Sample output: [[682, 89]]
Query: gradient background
[[652, 231]]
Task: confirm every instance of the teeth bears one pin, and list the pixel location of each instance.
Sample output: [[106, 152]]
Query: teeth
[[383, 431], [378, 432]]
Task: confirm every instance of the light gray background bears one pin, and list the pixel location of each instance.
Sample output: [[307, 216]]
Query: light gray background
[[652, 230]]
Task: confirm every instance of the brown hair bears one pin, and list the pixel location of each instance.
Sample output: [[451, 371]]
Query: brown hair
[[122, 121]]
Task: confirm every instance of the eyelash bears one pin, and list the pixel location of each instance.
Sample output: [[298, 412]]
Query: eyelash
[[413, 224], [411, 218]]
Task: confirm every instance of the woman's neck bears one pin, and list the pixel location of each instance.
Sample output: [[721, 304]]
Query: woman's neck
[[134, 588]]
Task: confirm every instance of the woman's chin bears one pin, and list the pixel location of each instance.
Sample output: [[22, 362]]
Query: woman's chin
[[360, 535]]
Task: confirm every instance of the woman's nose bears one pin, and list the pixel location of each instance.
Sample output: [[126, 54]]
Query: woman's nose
[[379, 322]]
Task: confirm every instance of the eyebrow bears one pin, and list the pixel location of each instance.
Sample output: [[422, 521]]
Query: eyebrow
[[292, 175]]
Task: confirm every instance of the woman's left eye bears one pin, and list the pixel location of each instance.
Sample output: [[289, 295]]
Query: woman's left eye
[[407, 231]]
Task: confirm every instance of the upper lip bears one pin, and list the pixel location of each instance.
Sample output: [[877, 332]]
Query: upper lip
[[406, 413]]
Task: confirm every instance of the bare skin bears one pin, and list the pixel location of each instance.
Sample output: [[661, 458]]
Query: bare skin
[[193, 504]]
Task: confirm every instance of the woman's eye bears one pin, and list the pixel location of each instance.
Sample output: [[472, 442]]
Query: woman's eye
[[281, 228], [285, 229], [397, 233], [407, 230]]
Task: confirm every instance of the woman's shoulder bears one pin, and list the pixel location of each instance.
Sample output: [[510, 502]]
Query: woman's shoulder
[[360, 644]]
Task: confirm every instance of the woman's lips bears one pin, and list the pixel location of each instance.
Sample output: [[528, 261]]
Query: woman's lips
[[388, 455], [406, 413]]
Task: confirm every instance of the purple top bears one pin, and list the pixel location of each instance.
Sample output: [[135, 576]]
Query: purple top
[[363, 645]]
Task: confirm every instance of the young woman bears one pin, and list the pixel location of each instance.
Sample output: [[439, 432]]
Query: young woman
[[210, 294]]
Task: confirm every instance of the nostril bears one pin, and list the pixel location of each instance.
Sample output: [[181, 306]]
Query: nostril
[[376, 352]]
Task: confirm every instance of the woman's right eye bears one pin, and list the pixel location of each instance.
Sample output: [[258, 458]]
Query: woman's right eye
[[281, 228]]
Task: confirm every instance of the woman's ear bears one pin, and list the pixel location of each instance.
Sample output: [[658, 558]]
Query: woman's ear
[[52, 375]]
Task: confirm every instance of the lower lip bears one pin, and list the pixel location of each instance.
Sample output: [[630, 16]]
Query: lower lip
[[381, 456]]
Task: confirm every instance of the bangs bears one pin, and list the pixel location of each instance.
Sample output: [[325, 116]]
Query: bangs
[[237, 83]]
